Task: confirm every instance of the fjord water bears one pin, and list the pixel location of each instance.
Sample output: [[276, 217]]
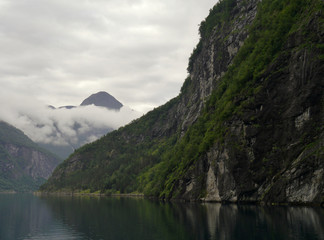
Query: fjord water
[[24, 216]]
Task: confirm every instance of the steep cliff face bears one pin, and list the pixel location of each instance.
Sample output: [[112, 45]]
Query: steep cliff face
[[273, 148], [212, 57], [247, 125], [23, 165]]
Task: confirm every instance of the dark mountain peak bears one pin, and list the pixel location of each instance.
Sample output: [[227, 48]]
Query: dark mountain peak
[[102, 99]]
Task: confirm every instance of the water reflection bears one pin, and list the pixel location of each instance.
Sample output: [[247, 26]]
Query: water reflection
[[23, 216], [30, 217], [118, 218], [256, 222]]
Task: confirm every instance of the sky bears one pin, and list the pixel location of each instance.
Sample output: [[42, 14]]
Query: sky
[[58, 52]]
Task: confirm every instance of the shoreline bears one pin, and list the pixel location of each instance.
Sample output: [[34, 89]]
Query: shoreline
[[141, 195], [8, 192], [95, 194]]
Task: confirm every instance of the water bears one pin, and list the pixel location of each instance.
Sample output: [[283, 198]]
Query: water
[[30, 217]]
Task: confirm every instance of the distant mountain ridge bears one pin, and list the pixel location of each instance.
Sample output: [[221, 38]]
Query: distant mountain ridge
[[23, 164]]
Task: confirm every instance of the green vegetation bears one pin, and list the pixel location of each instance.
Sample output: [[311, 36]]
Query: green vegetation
[[218, 16], [113, 163], [141, 157], [12, 135], [9, 134]]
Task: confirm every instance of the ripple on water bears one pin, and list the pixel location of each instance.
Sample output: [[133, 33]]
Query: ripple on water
[[57, 231]]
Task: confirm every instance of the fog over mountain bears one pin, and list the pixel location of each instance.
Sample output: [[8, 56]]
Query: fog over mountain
[[68, 127]]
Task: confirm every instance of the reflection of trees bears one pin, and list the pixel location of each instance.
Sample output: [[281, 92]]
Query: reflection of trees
[[119, 218], [125, 218]]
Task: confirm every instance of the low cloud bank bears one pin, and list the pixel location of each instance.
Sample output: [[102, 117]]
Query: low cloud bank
[[61, 126]]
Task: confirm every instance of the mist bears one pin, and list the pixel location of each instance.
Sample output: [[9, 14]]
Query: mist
[[61, 126]]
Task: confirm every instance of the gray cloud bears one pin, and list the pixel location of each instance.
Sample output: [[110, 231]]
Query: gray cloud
[[61, 51]]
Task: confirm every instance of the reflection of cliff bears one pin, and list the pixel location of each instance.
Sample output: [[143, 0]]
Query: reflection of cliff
[[255, 222]]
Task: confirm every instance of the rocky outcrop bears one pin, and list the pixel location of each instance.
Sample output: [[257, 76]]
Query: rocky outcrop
[[31, 162], [216, 55]]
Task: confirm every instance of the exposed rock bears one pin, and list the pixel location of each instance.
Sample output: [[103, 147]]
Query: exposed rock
[[33, 163], [301, 119], [214, 59]]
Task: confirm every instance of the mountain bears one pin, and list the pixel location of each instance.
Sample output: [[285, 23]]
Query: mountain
[[24, 166], [247, 126], [102, 99], [97, 115]]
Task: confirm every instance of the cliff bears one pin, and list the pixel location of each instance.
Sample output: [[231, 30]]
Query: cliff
[[24, 166], [247, 125]]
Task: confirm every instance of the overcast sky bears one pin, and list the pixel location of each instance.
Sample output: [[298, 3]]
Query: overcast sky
[[59, 52]]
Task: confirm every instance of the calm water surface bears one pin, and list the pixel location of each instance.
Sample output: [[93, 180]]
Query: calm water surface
[[30, 217]]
